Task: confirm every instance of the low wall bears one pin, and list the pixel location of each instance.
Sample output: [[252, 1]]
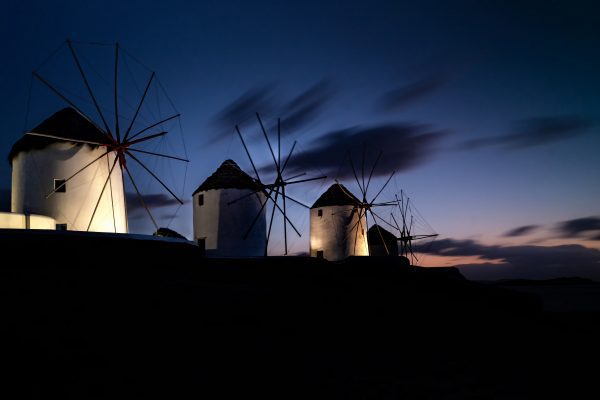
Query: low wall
[[23, 221]]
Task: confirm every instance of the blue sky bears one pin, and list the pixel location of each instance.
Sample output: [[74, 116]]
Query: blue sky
[[489, 112]]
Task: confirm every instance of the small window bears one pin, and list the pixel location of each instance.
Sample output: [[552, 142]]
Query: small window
[[202, 246], [61, 227], [320, 213], [200, 199], [60, 185], [320, 252]]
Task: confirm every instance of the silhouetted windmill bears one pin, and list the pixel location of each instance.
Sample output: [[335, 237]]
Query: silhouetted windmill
[[275, 192], [365, 207], [407, 235], [114, 143]]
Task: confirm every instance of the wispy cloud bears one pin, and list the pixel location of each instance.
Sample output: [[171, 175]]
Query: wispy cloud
[[306, 106], [295, 111], [535, 132], [521, 230], [587, 227], [153, 201], [404, 146], [243, 108], [532, 262], [405, 95]]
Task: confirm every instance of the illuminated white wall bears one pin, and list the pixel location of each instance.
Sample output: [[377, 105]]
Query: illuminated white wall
[[22, 221], [12, 221], [41, 222], [333, 233], [33, 175], [223, 226]]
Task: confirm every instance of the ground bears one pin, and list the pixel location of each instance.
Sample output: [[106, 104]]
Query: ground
[[98, 317]]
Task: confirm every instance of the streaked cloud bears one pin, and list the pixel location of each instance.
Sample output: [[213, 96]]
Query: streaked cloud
[[521, 230], [295, 111], [403, 96], [153, 201], [530, 262], [306, 106], [404, 146], [587, 227], [535, 132]]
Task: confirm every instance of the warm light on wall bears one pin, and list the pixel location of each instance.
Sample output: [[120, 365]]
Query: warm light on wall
[[22, 221]]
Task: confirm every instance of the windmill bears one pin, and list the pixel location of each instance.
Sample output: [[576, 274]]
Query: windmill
[[275, 192], [365, 207], [100, 151], [409, 215]]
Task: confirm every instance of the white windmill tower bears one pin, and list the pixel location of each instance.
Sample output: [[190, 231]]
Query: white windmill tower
[[72, 169], [340, 230], [275, 192], [229, 217], [43, 159], [335, 225]]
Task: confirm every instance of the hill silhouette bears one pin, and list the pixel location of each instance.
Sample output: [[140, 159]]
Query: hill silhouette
[[95, 316]]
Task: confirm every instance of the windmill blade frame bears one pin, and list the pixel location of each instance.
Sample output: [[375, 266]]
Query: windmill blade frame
[[278, 186], [116, 143]]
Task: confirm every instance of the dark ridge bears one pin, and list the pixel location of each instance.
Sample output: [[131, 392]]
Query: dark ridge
[[166, 232], [228, 176], [66, 123], [571, 280], [105, 316], [336, 195]]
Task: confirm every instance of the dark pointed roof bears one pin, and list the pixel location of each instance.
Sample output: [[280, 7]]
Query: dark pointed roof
[[228, 176], [66, 123], [381, 248], [166, 232], [373, 235], [336, 195]]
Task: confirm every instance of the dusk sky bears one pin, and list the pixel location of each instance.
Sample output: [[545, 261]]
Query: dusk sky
[[488, 111]]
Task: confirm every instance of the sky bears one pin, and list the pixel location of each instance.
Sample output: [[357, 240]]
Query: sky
[[488, 112]]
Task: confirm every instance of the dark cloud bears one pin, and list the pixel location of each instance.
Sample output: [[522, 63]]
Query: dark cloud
[[529, 262], [521, 230], [452, 247], [4, 200], [580, 227], [306, 106], [294, 113], [535, 132], [153, 201], [257, 99], [404, 147], [405, 95]]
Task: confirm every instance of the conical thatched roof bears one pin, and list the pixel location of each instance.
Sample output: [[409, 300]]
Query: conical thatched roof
[[166, 232], [336, 195], [373, 234], [66, 123], [378, 247], [228, 176]]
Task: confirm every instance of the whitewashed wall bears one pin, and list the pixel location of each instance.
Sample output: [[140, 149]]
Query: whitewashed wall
[[332, 233], [33, 174], [12, 221], [41, 222], [22, 221], [223, 226]]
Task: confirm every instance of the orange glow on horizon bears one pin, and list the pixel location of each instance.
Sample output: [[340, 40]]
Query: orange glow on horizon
[[433, 260]]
